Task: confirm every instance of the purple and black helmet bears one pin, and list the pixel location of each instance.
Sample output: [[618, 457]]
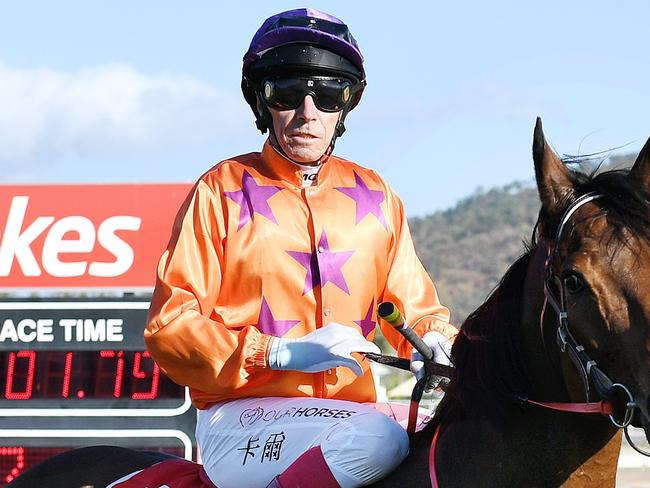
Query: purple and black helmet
[[301, 41]]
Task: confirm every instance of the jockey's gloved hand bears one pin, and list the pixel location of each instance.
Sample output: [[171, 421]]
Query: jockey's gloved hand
[[441, 347], [320, 350]]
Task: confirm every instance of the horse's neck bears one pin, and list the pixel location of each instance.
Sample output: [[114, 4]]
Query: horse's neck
[[534, 448], [528, 446]]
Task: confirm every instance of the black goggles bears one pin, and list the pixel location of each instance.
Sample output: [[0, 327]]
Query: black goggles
[[330, 94]]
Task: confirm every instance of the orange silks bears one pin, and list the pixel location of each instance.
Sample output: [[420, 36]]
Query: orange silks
[[253, 255]]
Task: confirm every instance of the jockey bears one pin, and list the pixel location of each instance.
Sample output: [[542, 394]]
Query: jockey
[[267, 292]]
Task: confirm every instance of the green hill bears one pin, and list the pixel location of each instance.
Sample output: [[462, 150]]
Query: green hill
[[467, 249]]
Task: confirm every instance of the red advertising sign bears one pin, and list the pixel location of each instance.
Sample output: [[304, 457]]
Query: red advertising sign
[[85, 236]]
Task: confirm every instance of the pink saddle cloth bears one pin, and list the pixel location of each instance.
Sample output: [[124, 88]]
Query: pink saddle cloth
[[172, 473], [400, 413]]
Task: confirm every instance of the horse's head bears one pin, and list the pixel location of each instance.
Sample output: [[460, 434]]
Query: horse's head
[[597, 231]]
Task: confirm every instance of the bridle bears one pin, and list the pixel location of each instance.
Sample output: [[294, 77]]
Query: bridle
[[587, 368]]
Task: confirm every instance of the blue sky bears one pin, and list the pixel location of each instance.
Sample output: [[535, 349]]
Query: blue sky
[[149, 91]]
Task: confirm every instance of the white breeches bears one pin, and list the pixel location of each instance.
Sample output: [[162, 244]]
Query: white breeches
[[246, 443]]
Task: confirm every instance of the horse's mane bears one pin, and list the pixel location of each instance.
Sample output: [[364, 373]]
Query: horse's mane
[[487, 355]]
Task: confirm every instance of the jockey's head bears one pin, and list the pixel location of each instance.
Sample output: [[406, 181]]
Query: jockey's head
[[302, 74]]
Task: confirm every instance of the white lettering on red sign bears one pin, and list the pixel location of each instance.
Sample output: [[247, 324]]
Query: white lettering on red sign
[[16, 243]]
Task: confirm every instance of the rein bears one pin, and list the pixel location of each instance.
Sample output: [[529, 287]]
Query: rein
[[433, 369]]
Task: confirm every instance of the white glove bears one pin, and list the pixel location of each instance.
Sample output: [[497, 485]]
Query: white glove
[[320, 350], [441, 347]]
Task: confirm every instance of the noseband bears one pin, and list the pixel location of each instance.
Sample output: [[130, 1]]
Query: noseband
[[587, 368]]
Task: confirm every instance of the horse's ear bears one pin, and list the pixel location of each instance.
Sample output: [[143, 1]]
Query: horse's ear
[[553, 180], [641, 168]]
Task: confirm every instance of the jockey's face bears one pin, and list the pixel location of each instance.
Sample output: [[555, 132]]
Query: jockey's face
[[304, 133]]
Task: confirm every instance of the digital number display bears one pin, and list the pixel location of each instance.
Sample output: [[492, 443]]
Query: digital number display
[[15, 459], [78, 377]]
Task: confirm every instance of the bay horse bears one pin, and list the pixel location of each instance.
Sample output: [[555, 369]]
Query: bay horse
[[568, 327], [586, 273]]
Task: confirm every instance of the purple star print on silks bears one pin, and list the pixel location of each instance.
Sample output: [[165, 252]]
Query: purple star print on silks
[[253, 198], [310, 262], [367, 200], [323, 266], [367, 324], [268, 325]]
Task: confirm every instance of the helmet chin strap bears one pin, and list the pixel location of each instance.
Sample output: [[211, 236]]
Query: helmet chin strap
[[338, 131]]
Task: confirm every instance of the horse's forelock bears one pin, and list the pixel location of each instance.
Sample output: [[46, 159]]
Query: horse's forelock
[[626, 200]]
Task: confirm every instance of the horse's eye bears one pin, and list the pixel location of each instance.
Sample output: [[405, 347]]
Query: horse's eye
[[573, 283]]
